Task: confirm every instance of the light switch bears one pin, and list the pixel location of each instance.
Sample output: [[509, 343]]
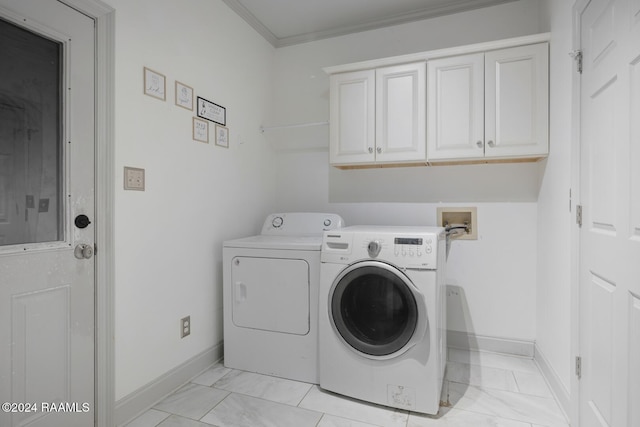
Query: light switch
[[133, 178]]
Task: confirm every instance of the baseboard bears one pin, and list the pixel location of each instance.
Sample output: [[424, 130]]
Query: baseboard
[[467, 341], [557, 388], [146, 396]]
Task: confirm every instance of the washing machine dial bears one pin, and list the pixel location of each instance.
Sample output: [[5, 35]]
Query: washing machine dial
[[374, 248], [277, 222]]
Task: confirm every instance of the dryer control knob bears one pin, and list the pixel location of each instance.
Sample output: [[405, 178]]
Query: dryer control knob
[[277, 222], [374, 248]]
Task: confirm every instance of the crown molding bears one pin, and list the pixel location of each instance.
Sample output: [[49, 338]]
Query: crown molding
[[431, 12], [250, 19]]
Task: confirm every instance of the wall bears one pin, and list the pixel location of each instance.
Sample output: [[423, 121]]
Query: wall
[[555, 220], [494, 278], [169, 237]]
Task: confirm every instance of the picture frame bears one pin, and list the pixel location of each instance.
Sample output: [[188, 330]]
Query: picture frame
[[184, 96], [200, 130], [155, 84], [222, 136], [211, 111]]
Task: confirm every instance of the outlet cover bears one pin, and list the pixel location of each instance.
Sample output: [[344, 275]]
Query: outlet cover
[[133, 178], [185, 326]]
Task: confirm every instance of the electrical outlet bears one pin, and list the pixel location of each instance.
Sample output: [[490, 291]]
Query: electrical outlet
[[133, 178], [185, 326], [460, 217]]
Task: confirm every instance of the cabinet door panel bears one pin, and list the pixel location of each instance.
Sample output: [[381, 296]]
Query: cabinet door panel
[[517, 101], [400, 113], [352, 115], [455, 125]]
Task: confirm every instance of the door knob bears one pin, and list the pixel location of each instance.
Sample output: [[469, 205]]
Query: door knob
[[83, 251]]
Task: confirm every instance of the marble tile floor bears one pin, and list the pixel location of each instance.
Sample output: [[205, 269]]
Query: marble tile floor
[[483, 390]]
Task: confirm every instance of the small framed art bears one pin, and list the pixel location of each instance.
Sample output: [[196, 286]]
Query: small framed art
[[184, 96], [200, 130], [222, 136], [212, 111], [155, 84]]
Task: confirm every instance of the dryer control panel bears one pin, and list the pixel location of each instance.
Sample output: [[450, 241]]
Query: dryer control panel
[[300, 224]]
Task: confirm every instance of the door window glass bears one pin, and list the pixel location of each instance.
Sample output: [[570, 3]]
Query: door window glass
[[374, 310], [30, 137]]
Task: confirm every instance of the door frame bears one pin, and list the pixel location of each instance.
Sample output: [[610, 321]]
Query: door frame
[[574, 415], [104, 17]]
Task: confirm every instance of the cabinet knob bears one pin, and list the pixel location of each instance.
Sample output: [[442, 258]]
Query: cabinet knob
[[480, 144], [370, 150], [491, 143], [379, 150]]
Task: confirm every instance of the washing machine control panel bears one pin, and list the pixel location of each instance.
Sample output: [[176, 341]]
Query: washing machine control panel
[[413, 246], [401, 246]]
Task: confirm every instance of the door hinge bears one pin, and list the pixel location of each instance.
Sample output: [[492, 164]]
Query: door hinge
[[578, 367], [577, 56], [579, 215]]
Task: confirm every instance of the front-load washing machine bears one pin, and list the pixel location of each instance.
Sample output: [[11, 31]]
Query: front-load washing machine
[[382, 315], [270, 296]]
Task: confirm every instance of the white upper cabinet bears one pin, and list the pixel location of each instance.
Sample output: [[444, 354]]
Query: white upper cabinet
[[378, 116], [477, 103], [352, 117], [491, 105], [455, 125], [517, 102], [401, 106]]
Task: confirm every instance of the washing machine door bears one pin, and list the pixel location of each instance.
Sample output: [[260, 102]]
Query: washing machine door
[[376, 310]]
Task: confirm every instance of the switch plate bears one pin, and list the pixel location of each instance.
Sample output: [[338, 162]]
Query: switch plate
[[133, 178], [460, 216], [185, 326]]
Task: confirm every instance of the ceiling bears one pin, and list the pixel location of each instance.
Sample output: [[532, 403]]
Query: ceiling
[[289, 22]]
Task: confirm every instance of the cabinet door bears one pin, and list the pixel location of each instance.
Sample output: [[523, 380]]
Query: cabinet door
[[455, 125], [517, 101], [352, 116], [401, 113]]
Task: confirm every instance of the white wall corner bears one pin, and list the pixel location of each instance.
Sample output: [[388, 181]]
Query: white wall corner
[[558, 389], [146, 396]]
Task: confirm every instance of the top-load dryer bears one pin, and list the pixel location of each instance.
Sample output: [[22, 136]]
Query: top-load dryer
[[270, 296]]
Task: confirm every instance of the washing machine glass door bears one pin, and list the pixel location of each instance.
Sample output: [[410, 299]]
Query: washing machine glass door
[[376, 309]]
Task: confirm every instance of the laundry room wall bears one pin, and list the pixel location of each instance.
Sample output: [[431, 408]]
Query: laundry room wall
[[556, 218], [493, 279], [169, 237]]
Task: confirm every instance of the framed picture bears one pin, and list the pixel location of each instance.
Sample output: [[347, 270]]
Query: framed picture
[[184, 96], [200, 130], [212, 111], [222, 136], [155, 84]]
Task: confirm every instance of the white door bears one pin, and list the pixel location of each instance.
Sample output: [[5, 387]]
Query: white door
[[517, 101], [46, 182], [271, 294], [352, 113], [609, 272], [401, 111], [455, 125]]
